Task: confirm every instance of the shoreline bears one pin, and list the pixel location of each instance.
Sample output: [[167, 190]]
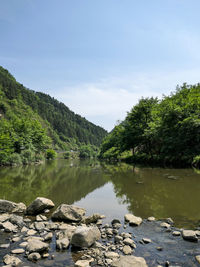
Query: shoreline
[[33, 236]]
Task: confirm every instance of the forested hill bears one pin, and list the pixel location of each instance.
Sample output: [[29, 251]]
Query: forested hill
[[63, 124], [165, 131]]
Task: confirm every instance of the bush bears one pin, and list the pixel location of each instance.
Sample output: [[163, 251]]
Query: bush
[[67, 155], [15, 159], [196, 162], [51, 154]]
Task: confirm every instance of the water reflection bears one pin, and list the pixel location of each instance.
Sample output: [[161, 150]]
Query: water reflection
[[109, 189]]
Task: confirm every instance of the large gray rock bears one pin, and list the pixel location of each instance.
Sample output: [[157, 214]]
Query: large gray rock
[[11, 207], [130, 261], [39, 205], [132, 219], [189, 235], [85, 237], [68, 213], [36, 246]]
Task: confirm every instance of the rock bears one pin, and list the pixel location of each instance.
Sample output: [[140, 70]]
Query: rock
[[18, 220], [4, 217], [114, 221], [151, 219], [39, 226], [176, 233], [198, 258], [129, 242], [48, 236], [68, 213], [31, 232], [129, 261], [146, 240], [197, 233], [82, 263], [34, 256], [4, 245], [40, 218], [45, 255], [111, 255], [189, 235], [132, 219], [118, 238], [127, 250], [62, 243], [165, 225], [11, 207], [17, 251], [39, 205], [36, 246], [24, 229], [8, 227], [12, 260], [16, 239], [85, 236], [92, 219], [23, 244]]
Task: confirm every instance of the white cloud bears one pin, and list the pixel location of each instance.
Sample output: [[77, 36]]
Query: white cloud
[[108, 100]]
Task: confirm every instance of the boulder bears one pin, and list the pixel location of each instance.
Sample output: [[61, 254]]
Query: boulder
[[127, 250], [39, 205], [92, 219], [8, 227], [132, 219], [189, 235], [36, 246], [11, 260], [85, 237], [34, 256], [129, 261], [68, 213], [18, 220], [11, 207]]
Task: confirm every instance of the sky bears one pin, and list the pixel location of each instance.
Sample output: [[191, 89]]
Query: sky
[[99, 57]]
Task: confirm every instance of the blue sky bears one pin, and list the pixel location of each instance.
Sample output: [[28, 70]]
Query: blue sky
[[100, 56]]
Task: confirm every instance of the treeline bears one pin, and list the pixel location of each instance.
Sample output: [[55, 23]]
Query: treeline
[[33, 125], [163, 131]]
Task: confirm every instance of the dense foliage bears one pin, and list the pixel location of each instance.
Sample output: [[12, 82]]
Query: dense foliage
[[32, 123], [165, 131]]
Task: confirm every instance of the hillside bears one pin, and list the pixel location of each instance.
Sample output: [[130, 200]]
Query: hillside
[[24, 114]]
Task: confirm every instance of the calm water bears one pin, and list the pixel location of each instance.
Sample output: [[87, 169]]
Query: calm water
[[112, 190]]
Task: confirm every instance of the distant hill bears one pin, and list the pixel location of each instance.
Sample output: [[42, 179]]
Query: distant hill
[[23, 108]]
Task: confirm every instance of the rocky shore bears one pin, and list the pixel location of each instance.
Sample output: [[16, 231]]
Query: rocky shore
[[35, 236]]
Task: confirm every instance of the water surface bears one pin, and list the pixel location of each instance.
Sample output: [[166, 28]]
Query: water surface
[[109, 189]]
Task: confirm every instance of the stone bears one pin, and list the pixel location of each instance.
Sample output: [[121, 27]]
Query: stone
[[24, 229], [198, 258], [48, 236], [8, 227], [17, 251], [12, 260], [45, 255], [130, 261], [114, 221], [85, 236], [4, 217], [11, 207], [146, 240], [189, 235], [39, 205], [62, 243], [118, 238], [176, 233], [82, 263], [132, 219], [31, 232], [4, 245], [16, 219], [68, 213], [165, 225], [92, 219], [127, 250], [39, 226], [40, 218], [151, 219], [23, 244], [34, 257], [129, 242], [16, 239], [36, 246], [111, 255]]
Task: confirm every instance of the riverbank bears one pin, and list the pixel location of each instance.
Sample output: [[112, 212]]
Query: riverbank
[[36, 236]]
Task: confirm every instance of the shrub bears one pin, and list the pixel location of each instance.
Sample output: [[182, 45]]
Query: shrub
[[51, 154], [15, 159], [196, 162]]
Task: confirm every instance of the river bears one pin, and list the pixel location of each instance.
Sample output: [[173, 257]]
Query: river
[[109, 189]]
